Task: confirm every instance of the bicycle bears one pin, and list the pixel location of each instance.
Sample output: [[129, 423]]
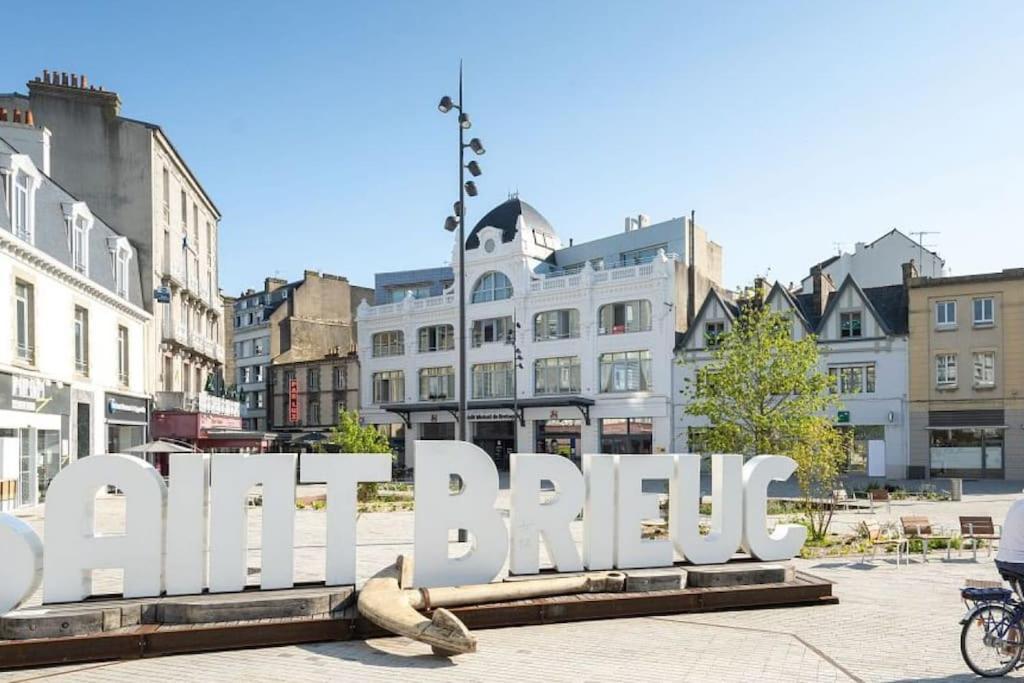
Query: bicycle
[[992, 638]]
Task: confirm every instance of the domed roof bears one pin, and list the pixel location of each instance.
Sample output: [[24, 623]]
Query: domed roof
[[504, 217]]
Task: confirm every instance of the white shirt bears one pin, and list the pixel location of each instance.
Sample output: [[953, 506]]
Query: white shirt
[[1011, 545]]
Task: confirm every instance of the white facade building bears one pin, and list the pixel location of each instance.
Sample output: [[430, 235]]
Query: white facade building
[[877, 264], [73, 349], [863, 337], [596, 346]]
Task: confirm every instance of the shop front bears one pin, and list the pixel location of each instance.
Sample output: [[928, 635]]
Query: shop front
[[622, 435], [34, 447], [495, 433], [967, 444], [127, 419], [561, 436]]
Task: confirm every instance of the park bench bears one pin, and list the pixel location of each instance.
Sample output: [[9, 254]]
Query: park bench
[[873, 496], [920, 529], [980, 529], [877, 538]]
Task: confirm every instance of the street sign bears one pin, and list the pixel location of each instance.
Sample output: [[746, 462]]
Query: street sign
[[843, 417], [162, 295]]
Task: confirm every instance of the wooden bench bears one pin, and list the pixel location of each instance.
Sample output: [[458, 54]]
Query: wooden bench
[[876, 538], [980, 529], [920, 529]]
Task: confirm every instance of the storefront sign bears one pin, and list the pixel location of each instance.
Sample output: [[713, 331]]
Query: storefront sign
[[34, 394], [293, 401], [497, 416], [166, 544], [126, 408]]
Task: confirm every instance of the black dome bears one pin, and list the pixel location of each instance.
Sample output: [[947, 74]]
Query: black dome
[[504, 217]]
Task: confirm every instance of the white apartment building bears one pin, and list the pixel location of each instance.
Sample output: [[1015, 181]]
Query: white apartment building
[[595, 325], [130, 173], [863, 335], [878, 263], [251, 351], [73, 349]]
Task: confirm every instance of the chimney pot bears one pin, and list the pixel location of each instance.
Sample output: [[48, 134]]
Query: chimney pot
[[29, 119], [3, 114], [84, 81], [46, 75], [63, 77], [74, 80], [17, 116]]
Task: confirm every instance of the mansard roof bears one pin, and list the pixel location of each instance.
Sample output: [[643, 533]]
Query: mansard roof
[[505, 217]]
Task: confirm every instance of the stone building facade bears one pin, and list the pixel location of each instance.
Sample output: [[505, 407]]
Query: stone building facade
[[967, 376]]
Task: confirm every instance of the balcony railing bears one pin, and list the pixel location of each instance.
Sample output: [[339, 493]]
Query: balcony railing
[[25, 352], [201, 402]]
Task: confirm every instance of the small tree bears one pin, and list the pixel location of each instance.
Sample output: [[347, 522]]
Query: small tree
[[349, 436], [820, 456], [764, 392]]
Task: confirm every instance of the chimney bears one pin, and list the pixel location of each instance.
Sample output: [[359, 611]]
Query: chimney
[[3, 114], [760, 288], [272, 284], [823, 286], [909, 272]]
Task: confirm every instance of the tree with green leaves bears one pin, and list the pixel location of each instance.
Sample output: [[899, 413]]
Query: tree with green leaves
[[764, 392], [349, 436]]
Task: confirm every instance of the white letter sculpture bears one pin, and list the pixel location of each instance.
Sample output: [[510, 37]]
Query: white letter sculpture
[[726, 516], [631, 549], [21, 570], [342, 474], [438, 510], [530, 520], [232, 476], [73, 548], [787, 539], [187, 500], [598, 515]]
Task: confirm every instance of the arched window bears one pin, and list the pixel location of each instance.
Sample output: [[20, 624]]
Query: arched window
[[492, 286], [390, 343]]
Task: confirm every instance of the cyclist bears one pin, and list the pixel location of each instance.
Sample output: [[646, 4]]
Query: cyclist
[[1010, 558]]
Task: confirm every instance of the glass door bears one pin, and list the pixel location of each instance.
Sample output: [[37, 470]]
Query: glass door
[[47, 458], [25, 466]]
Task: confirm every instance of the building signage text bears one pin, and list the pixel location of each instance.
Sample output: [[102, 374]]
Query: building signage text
[[173, 530]]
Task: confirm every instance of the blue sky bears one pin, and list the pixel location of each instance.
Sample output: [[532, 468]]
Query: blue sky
[[787, 126]]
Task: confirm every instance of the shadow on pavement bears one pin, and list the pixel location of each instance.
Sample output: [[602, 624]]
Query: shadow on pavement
[[367, 653]]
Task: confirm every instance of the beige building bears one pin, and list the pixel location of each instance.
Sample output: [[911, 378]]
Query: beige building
[[284, 323], [967, 376]]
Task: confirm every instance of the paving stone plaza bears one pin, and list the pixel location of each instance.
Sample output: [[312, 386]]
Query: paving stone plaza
[[892, 623]]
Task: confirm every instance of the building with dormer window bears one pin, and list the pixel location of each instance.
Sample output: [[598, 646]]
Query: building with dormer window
[[863, 336], [595, 324], [73, 350]]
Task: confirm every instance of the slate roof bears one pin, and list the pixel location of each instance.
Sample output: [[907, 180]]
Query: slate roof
[[51, 236], [504, 217], [889, 301]]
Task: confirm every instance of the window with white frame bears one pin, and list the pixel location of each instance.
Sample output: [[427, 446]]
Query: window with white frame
[[25, 321], [436, 338], [339, 377], [80, 244], [22, 206], [492, 286], [390, 343], [945, 313], [81, 340], [492, 380], [851, 324], [123, 362], [625, 316], [984, 311], [625, 371], [388, 386], [561, 324], [984, 368], [166, 197], [945, 369], [491, 330], [437, 384], [852, 379], [120, 255], [557, 375]]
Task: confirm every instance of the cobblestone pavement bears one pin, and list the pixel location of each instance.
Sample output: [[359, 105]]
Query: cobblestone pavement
[[891, 624]]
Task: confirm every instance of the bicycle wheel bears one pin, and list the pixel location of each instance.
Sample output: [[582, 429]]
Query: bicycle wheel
[[991, 641]]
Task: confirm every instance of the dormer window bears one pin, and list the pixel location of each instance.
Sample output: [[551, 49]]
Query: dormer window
[[22, 208], [120, 255], [850, 325], [79, 246]]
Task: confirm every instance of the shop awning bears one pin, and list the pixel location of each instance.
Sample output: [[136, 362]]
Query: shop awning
[[405, 410], [933, 428]]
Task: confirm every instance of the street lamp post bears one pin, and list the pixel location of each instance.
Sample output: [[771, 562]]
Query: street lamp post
[[458, 221]]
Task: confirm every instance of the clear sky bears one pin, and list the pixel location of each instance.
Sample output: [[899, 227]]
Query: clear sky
[[787, 126]]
